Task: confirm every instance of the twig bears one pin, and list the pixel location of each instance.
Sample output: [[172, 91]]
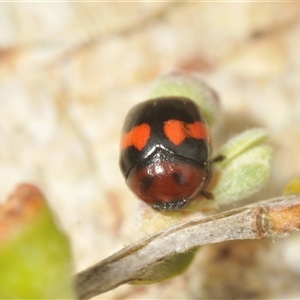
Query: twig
[[270, 218]]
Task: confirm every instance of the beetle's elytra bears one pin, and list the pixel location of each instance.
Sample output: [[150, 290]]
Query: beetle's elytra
[[165, 152]]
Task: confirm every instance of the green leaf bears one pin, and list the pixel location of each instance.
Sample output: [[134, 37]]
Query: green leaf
[[241, 143], [167, 269], [189, 85], [292, 187], [244, 175], [35, 256]]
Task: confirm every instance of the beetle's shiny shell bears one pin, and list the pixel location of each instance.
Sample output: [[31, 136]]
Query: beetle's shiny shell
[[165, 152]]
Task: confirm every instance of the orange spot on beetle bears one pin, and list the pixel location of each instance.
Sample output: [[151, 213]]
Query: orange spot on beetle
[[137, 137], [197, 130], [177, 131]]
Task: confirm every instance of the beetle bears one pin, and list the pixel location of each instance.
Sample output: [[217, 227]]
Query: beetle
[[165, 152]]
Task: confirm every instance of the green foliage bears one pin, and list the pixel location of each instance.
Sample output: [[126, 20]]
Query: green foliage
[[292, 187], [167, 269], [35, 261], [245, 168], [189, 85]]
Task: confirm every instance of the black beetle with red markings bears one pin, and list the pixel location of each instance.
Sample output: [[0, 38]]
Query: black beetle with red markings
[[165, 152]]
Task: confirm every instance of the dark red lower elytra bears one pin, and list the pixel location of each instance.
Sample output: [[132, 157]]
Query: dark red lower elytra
[[166, 183]]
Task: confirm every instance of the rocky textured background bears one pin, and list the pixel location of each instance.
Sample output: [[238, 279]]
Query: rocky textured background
[[70, 71]]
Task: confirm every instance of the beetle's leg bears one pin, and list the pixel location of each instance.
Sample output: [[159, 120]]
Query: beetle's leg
[[207, 195], [218, 158]]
